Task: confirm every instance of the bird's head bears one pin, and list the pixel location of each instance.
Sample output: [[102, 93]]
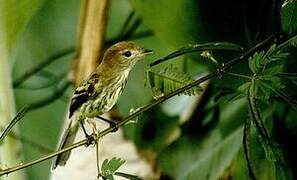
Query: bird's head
[[124, 55]]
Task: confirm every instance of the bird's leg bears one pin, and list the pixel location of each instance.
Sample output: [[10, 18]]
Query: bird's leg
[[112, 124], [90, 138]]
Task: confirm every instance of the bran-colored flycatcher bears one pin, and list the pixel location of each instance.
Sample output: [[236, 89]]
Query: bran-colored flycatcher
[[99, 93]]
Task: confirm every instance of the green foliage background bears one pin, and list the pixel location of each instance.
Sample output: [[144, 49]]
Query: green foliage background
[[209, 145]]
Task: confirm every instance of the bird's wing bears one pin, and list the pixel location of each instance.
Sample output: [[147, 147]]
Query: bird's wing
[[83, 93]]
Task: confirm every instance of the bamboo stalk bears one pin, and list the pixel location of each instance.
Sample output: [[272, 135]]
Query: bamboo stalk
[[91, 36]]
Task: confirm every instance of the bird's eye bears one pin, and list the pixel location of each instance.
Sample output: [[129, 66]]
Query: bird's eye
[[127, 54]]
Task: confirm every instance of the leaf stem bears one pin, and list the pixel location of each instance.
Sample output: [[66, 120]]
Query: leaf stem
[[255, 115]]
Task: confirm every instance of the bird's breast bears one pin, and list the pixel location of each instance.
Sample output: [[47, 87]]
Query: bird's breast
[[106, 98]]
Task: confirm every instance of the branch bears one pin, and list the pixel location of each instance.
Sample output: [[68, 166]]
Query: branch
[[106, 131]]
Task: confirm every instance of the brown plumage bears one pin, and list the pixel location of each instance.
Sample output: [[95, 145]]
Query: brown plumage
[[98, 93]]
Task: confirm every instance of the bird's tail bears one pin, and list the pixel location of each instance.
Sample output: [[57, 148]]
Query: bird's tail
[[67, 139]]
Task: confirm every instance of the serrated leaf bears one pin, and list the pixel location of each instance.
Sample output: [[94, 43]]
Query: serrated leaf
[[169, 79], [254, 61], [263, 63]]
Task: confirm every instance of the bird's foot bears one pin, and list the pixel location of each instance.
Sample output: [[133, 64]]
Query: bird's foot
[[112, 124], [90, 140]]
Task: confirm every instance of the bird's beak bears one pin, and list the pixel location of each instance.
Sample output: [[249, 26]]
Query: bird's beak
[[146, 52]]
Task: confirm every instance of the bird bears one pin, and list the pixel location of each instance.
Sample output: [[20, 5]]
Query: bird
[[98, 93]]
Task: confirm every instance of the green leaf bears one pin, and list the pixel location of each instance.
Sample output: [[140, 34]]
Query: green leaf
[[289, 17], [109, 167], [207, 159], [254, 61], [271, 148], [273, 158], [169, 79], [267, 63], [112, 165], [275, 88], [244, 87], [264, 92]]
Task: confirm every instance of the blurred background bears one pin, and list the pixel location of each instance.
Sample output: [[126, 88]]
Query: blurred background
[[186, 137]]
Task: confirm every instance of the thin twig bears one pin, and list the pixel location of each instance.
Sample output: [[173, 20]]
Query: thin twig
[[16, 119], [97, 158]]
